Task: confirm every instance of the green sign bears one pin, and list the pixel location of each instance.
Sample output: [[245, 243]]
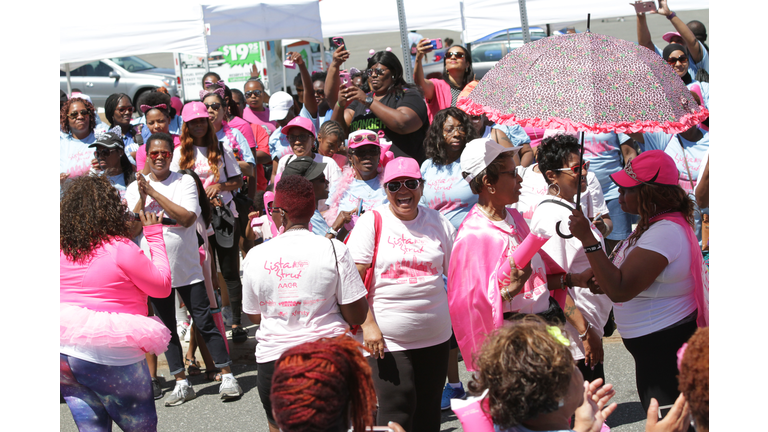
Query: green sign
[[241, 54]]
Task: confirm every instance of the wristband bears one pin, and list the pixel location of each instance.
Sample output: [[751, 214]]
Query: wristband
[[568, 281], [584, 336], [332, 231], [593, 248], [671, 15]]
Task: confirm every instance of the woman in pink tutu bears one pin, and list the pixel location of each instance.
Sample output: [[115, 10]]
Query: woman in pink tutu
[[104, 328]]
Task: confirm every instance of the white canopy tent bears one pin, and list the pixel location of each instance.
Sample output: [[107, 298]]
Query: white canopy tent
[[347, 18]]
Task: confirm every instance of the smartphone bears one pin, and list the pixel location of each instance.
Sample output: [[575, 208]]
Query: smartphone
[[644, 7], [338, 42], [436, 43], [289, 63], [344, 76]]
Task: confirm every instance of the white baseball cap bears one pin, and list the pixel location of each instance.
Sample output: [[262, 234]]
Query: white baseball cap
[[479, 153], [279, 105]]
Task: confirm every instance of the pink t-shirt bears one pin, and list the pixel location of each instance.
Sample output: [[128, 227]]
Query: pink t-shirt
[[260, 118], [118, 277], [141, 153]]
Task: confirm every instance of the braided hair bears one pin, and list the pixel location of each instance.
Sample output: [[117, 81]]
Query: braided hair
[[316, 385]]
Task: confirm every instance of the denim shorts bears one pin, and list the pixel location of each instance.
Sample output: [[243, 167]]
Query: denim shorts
[[622, 222]]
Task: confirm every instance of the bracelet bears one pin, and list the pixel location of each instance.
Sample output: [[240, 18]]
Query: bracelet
[[568, 281], [671, 15], [584, 336], [593, 248], [562, 282], [506, 295], [332, 231]]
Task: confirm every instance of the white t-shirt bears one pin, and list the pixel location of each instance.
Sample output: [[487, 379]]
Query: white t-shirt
[[670, 297], [408, 298], [203, 170], [292, 282], [180, 242], [570, 255]]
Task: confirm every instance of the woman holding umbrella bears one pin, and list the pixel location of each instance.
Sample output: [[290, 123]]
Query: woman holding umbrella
[[654, 277]]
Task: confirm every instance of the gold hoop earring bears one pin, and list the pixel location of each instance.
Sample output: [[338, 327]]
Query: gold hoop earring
[[557, 186]]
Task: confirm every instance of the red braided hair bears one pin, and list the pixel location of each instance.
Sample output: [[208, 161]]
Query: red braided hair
[[315, 384]]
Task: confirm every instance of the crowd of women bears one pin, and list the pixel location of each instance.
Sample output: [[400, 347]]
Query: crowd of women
[[433, 207]]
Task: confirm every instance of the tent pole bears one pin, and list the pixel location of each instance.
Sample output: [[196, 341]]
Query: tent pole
[[407, 66], [69, 80], [205, 41], [322, 55], [524, 21]]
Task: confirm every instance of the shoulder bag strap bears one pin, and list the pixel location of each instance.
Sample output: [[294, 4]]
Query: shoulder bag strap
[[685, 159], [560, 203], [223, 160]]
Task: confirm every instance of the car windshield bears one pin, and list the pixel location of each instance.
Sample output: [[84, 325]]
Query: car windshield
[[132, 63]]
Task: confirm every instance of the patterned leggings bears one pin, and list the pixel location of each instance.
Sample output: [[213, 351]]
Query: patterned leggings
[[98, 394]]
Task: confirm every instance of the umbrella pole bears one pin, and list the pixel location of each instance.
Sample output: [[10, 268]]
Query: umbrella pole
[[581, 162]]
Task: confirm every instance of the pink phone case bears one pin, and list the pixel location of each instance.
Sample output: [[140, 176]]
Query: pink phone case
[[646, 6]]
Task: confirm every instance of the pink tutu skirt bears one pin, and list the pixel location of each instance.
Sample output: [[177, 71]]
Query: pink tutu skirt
[[83, 327]]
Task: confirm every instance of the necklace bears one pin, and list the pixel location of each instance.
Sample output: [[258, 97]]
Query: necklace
[[659, 214], [488, 215], [296, 228]]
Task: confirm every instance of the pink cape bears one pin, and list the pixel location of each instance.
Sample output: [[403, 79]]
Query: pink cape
[[441, 99], [474, 299], [700, 291]]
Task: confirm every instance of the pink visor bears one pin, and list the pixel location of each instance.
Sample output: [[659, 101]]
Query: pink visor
[[401, 167], [194, 110], [651, 167]]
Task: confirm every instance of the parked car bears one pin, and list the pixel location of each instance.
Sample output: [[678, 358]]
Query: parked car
[[484, 57], [514, 34], [130, 75]]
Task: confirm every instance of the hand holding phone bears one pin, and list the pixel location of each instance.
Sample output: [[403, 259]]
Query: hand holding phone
[[338, 42], [345, 81], [436, 43], [644, 6], [288, 62]]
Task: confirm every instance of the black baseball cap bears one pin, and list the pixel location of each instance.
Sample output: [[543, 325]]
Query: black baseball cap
[[304, 166]]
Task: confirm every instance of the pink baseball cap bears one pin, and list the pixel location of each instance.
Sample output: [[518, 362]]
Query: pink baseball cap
[[367, 137], [668, 36], [194, 110], [300, 122], [651, 167], [401, 167]]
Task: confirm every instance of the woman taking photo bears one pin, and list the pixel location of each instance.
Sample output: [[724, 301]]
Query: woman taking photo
[[220, 174], [585, 313], [394, 107], [113, 162], [484, 286], [104, 329], [441, 93], [77, 123], [320, 296], [654, 278], [409, 248]]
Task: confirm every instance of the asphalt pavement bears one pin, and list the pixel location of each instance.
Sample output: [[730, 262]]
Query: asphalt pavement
[[208, 413]]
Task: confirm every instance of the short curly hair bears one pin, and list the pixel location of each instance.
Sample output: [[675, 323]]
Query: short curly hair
[[525, 370], [434, 143], [553, 153], [64, 121], [92, 213], [295, 195], [694, 377]]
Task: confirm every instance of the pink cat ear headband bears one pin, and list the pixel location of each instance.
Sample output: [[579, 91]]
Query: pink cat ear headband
[[373, 51]]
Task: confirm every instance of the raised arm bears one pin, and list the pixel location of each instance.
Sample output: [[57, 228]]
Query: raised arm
[[152, 277], [332, 81], [306, 81], [402, 120], [423, 47], [643, 34], [690, 39]]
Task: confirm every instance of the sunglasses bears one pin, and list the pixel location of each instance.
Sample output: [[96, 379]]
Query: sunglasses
[[452, 130], [365, 154], [320, 92], [376, 72], [103, 153], [576, 169], [411, 184], [73, 115], [365, 137], [214, 106], [154, 154], [253, 93], [455, 54], [299, 137], [271, 209], [125, 109], [681, 59]]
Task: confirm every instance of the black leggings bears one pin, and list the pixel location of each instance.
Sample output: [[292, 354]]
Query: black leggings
[[196, 299], [656, 363], [264, 372], [229, 263], [409, 386]]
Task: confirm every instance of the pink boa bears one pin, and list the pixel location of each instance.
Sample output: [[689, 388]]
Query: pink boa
[[341, 187]]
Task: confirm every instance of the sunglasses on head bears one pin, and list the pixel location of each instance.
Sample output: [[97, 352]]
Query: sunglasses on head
[[365, 137], [681, 59], [154, 154], [103, 153], [411, 184], [73, 114], [576, 169], [253, 93], [214, 106], [375, 72], [454, 54]]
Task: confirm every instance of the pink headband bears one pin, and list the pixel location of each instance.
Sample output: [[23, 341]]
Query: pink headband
[[218, 91], [145, 108]]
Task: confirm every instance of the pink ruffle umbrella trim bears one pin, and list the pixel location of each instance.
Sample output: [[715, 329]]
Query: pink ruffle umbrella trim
[[686, 122]]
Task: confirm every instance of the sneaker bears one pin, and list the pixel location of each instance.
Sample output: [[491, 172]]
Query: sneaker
[[182, 329], [451, 393], [239, 334], [229, 388], [156, 390], [181, 393]]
